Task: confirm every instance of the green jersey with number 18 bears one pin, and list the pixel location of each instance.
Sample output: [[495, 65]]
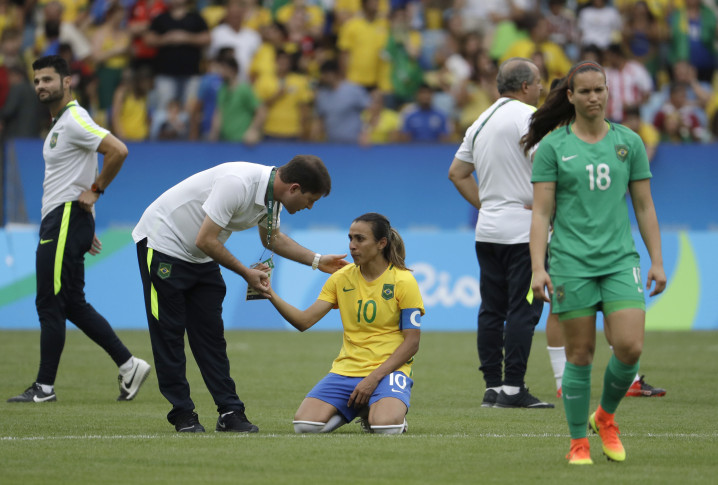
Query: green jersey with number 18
[[592, 232]]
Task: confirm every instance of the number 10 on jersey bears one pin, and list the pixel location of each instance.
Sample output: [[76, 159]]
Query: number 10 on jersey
[[367, 310]]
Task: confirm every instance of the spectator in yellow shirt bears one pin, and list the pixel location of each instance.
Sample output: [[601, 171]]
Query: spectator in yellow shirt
[[73, 11], [274, 38], [257, 15], [647, 132], [361, 41], [380, 124], [130, 113], [712, 113], [343, 10], [11, 16], [313, 14], [287, 95], [556, 62]]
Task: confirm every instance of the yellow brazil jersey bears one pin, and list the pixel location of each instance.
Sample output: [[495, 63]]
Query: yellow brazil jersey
[[557, 64], [71, 9], [213, 15], [371, 313], [364, 42], [11, 18], [659, 8], [133, 118], [314, 15], [118, 61], [649, 134], [257, 18], [389, 123], [284, 115], [712, 107], [264, 61], [353, 7]]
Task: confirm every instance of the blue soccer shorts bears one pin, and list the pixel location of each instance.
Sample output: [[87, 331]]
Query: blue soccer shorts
[[335, 390]]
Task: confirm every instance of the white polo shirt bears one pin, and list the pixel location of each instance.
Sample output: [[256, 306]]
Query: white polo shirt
[[245, 43], [231, 194], [70, 153], [503, 172]]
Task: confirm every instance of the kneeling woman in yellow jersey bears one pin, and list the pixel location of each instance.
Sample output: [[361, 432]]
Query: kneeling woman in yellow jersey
[[381, 309]]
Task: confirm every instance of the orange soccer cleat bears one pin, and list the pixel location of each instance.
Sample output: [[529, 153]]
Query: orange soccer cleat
[[580, 453], [603, 424]]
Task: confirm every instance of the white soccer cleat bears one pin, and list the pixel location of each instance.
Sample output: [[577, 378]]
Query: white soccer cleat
[[131, 382]]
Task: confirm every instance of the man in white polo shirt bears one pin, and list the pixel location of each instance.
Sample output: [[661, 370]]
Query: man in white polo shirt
[[180, 247], [508, 314], [71, 187]]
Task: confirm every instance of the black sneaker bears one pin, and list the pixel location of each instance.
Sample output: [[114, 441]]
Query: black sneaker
[[34, 393], [523, 399], [489, 398], [235, 421], [189, 423]]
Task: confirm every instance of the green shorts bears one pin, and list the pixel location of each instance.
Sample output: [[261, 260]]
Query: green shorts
[[577, 297]]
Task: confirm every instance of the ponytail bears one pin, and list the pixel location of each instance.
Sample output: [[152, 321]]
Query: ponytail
[[556, 110], [395, 252]]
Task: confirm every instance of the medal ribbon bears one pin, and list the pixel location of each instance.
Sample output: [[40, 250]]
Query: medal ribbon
[[270, 208]]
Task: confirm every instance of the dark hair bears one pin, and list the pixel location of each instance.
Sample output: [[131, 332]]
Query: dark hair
[[592, 49], [631, 110], [556, 110], [309, 172], [224, 53], [229, 62], [113, 7], [616, 49], [329, 66], [58, 63], [10, 33], [17, 68], [678, 86], [513, 73], [280, 27], [394, 251]]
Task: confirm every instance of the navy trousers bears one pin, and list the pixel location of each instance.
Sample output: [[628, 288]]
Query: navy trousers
[[506, 319], [186, 297], [66, 235]]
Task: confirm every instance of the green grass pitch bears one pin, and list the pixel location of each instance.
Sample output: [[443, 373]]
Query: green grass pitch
[[89, 438]]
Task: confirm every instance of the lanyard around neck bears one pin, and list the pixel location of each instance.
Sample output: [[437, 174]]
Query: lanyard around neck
[[65, 108], [488, 118], [270, 208]]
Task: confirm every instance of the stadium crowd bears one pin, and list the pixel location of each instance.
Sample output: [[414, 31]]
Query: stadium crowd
[[352, 71]]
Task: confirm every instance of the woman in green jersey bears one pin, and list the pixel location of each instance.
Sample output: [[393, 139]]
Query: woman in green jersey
[[582, 169]]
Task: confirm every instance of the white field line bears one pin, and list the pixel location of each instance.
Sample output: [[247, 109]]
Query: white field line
[[343, 436]]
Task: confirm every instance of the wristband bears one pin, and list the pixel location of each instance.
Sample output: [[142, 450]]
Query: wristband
[[315, 263], [96, 189]]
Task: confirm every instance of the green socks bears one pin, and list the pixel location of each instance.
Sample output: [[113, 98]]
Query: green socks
[[616, 381], [576, 391]]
